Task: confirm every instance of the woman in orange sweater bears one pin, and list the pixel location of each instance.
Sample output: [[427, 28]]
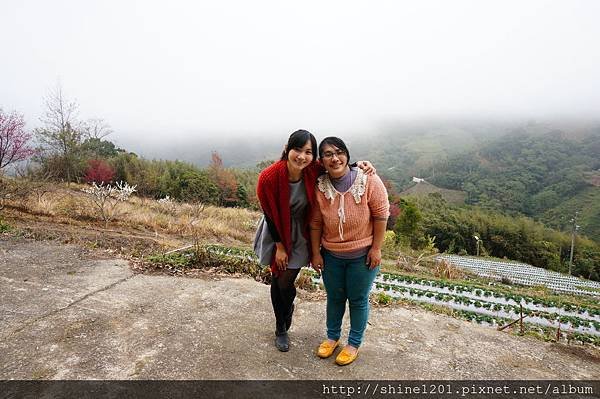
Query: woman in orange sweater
[[347, 231]]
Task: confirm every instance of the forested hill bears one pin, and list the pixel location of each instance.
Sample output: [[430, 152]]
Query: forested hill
[[548, 176], [403, 150]]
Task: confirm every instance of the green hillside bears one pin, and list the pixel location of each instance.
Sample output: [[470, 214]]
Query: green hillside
[[545, 176]]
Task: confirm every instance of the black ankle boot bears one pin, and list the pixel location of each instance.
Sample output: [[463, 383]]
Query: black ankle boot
[[288, 320], [282, 341]]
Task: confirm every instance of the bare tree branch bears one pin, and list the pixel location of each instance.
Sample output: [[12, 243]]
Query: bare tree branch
[[62, 133], [96, 128]]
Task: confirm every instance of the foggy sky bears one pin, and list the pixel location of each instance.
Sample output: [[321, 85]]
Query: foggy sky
[[176, 69]]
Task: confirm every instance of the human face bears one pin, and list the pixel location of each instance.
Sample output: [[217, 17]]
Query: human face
[[334, 160], [299, 158]]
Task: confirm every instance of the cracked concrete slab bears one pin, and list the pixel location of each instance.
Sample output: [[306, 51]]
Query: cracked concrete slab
[[44, 279], [68, 315]]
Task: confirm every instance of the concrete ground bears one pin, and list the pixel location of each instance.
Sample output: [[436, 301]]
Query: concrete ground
[[68, 313]]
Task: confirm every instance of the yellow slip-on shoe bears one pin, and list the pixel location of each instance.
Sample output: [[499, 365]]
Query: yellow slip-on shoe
[[326, 348], [345, 357]]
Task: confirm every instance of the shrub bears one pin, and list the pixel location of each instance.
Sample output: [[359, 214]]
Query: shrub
[[99, 171], [167, 205], [444, 269], [106, 199], [390, 247], [383, 298], [7, 191]]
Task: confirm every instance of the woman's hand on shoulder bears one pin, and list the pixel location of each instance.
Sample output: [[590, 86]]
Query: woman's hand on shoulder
[[367, 167]]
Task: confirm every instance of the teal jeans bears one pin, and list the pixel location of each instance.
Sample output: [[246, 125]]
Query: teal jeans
[[347, 280]]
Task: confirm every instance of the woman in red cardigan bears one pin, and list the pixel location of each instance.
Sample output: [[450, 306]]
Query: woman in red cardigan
[[286, 192]]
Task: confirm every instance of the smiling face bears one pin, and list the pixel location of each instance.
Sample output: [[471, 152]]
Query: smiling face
[[300, 158], [335, 160]]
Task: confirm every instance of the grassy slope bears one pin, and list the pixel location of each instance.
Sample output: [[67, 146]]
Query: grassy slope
[[425, 188]]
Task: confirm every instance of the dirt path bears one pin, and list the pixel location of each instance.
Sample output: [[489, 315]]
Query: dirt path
[[67, 313]]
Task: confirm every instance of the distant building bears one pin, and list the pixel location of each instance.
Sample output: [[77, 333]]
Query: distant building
[[418, 180]]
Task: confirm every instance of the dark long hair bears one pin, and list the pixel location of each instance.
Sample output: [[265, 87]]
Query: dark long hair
[[336, 142], [298, 139]]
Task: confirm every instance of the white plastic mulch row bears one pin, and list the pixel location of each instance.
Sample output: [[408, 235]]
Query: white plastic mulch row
[[525, 274]]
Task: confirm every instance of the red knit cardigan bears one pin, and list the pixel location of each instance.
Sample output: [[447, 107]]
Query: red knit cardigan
[[273, 193]]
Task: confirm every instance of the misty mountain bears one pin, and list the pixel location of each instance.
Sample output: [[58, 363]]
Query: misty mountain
[[404, 149], [236, 151]]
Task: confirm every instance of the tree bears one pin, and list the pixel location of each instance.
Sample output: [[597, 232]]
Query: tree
[[394, 199], [196, 186], [96, 128], [264, 164], [242, 196], [14, 139], [62, 135], [137, 171], [99, 171], [95, 147], [394, 213], [225, 180], [407, 224]]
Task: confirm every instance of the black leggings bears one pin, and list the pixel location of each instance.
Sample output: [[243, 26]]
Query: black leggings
[[283, 292]]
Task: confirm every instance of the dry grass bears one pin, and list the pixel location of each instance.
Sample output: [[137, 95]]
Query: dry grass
[[444, 269], [191, 220], [414, 261], [195, 222]]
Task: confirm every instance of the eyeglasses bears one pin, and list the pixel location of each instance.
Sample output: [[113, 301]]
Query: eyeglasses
[[338, 154]]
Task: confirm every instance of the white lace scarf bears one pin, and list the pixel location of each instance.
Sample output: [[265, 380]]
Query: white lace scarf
[[357, 190]]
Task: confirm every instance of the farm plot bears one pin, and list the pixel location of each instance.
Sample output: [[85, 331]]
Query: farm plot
[[585, 320], [524, 274]]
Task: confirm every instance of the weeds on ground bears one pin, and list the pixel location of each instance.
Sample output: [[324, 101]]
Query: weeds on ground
[[232, 260], [399, 256], [225, 259], [445, 270], [383, 299], [4, 227], [177, 260], [304, 281]]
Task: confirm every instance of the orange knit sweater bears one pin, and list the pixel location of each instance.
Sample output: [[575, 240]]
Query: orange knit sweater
[[349, 227]]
